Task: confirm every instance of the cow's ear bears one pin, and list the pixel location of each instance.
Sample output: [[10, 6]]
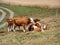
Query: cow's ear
[[38, 19]]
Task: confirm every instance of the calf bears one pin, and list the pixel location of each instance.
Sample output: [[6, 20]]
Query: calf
[[10, 24]]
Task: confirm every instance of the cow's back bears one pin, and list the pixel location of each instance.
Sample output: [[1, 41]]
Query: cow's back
[[21, 21]]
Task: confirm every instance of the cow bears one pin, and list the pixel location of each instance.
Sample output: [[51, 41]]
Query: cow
[[10, 24], [36, 27], [21, 21], [44, 27]]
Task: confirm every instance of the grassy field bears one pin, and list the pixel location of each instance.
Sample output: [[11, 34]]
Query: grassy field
[[50, 37], [31, 11]]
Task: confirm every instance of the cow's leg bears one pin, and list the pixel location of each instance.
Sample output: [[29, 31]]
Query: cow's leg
[[24, 29], [13, 27], [42, 30], [8, 29], [19, 27]]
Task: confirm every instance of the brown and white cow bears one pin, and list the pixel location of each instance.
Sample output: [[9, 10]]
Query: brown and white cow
[[21, 21], [10, 23], [37, 27]]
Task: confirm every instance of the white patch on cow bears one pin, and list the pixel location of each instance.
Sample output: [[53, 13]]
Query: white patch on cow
[[38, 23], [44, 26], [35, 27], [32, 20]]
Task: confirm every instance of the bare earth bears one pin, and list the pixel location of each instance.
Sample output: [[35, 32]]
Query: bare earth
[[41, 3]]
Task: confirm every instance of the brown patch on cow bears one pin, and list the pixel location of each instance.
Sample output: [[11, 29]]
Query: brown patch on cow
[[31, 28], [36, 20]]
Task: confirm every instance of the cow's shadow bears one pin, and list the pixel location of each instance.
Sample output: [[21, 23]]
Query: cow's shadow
[[2, 31], [5, 32], [19, 30]]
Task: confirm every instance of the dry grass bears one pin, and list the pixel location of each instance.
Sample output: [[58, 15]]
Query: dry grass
[[40, 3]]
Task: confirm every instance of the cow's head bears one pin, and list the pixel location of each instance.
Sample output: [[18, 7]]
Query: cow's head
[[35, 27], [10, 21]]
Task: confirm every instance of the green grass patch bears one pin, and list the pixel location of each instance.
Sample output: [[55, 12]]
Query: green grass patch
[[31, 11]]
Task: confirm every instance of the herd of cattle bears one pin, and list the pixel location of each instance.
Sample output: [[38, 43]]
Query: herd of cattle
[[29, 24]]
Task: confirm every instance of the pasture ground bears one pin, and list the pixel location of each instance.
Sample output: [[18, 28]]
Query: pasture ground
[[51, 36]]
